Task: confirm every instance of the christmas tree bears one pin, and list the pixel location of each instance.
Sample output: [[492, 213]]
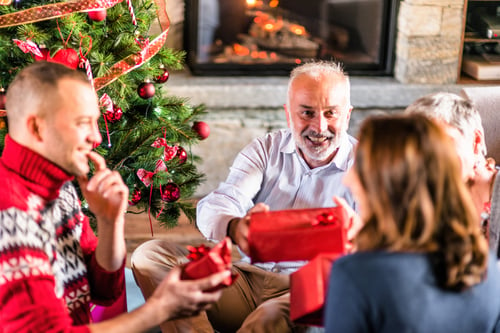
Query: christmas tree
[[146, 133]]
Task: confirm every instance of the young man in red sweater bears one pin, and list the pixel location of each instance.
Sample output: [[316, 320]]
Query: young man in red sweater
[[51, 263]]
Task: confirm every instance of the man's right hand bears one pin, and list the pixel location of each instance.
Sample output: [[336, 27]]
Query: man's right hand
[[238, 227]]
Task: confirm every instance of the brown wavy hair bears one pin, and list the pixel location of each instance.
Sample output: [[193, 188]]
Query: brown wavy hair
[[416, 198]]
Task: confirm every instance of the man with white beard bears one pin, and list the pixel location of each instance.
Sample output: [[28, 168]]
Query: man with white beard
[[298, 167]]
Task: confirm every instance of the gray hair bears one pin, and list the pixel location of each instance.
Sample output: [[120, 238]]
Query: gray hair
[[452, 109], [317, 69]]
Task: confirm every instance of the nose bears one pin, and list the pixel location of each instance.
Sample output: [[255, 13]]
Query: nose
[[95, 135], [320, 123]]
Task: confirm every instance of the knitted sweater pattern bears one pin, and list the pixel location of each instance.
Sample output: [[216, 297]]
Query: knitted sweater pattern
[[44, 236]]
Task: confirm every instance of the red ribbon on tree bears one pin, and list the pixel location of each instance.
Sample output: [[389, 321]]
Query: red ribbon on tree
[[55, 10], [147, 178]]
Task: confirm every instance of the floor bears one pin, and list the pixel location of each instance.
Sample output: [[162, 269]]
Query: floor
[[138, 230]]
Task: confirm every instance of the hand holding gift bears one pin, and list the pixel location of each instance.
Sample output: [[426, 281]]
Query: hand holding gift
[[353, 222], [238, 227], [206, 261]]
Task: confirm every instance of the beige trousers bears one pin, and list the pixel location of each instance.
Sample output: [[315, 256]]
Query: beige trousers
[[258, 301]]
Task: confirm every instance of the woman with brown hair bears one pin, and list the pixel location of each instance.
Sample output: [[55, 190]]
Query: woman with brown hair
[[422, 263]]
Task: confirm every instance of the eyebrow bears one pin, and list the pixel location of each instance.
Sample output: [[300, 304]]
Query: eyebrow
[[326, 108]]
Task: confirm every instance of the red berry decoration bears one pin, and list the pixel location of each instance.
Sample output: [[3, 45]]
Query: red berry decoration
[[2, 98], [97, 15], [182, 155], [146, 90], [162, 78], [171, 193], [202, 129], [115, 115], [136, 197]]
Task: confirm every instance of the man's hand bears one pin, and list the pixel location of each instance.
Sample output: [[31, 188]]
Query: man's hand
[[106, 193], [176, 298], [238, 227]]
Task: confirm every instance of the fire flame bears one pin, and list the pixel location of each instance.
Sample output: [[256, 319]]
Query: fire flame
[[297, 29]]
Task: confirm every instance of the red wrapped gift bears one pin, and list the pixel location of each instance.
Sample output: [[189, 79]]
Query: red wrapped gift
[[296, 234], [206, 261], [308, 288]]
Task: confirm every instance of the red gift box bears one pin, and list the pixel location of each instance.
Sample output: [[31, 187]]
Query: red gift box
[[296, 234], [206, 261], [308, 288]]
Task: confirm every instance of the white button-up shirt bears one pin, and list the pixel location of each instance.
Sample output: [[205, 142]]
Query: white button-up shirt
[[270, 170]]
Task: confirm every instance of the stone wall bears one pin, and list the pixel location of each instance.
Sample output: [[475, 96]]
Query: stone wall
[[428, 41]]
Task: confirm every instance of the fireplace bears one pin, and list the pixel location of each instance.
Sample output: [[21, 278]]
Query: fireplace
[[269, 37]]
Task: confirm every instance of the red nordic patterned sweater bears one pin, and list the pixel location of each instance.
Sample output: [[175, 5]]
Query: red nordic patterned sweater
[[48, 270]]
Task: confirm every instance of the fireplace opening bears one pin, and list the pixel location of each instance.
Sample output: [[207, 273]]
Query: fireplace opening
[[270, 37]]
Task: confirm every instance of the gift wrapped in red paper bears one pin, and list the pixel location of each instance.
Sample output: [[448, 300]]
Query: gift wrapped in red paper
[[206, 261], [296, 234], [308, 288]]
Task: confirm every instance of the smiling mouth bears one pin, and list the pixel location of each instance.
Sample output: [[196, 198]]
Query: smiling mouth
[[318, 140]]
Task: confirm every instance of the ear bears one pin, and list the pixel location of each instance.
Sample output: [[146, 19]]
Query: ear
[[34, 126], [478, 142], [287, 115], [349, 112]]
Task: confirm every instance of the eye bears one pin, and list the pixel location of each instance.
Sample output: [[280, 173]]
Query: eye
[[332, 114], [307, 113], [83, 122]]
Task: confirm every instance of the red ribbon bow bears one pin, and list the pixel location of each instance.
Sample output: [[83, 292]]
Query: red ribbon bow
[[325, 219], [197, 252], [169, 151], [28, 46], [147, 176]]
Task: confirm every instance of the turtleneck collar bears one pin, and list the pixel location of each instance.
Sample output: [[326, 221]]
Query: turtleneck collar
[[43, 177]]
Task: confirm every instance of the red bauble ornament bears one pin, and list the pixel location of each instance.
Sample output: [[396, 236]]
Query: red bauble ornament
[[146, 90], [97, 15], [171, 193], [182, 155], [2, 98], [202, 129], [68, 57], [162, 78], [136, 197], [115, 115], [45, 54]]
